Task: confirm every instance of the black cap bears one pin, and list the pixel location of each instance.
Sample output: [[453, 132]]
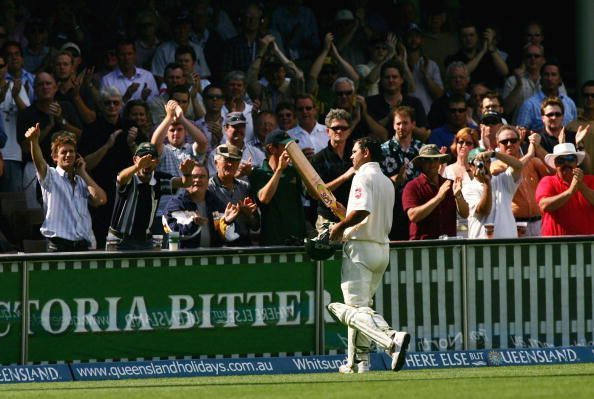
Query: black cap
[[491, 118], [146, 149]]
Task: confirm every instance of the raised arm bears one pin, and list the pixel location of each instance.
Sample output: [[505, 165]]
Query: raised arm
[[161, 131], [32, 134]]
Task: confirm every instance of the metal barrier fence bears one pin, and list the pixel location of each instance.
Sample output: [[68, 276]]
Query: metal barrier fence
[[449, 294]]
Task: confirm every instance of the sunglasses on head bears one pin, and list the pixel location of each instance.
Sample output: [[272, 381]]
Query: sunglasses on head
[[566, 159], [508, 141]]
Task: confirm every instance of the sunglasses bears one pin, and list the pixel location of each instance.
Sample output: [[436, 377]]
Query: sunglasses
[[533, 55], [457, 110], [554, 114], [107, 103], [339, 128], [214, 97], [508, 141], [566, 159], [307, 108], [344, 93], [468, 143]]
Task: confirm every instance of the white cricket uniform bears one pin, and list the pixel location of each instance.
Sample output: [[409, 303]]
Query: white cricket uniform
[[366, 252]]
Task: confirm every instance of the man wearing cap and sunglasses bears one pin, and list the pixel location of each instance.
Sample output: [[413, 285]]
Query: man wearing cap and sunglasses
[[566, 199]]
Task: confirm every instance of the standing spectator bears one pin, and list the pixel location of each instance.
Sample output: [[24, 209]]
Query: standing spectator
[[237, 100], [206, 37], [241, 50], [212, 122], [398, 154], [298, 27], [137, 114], [439, 41], [325, 70], [13, 55], [264, 124], [234, 131], [529, 115], [524, 205], [457, 118], [485, 62], [165, 53], [334, 165], [427, 78], [146, 42], [134, 83], [585, 119], [551, 111], [284, 80], [71, 89], [456, 82], [230, 190], [310, 129], [13, 98], [67, 191], [393, 93], [566, 199], [139, 188], [52, 117], [174, 78], [431, 201], [381, 51], [490, 197], [524, 82], [37, 52], [277, 187]]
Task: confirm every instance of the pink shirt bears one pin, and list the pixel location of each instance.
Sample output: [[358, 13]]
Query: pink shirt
[[576, 217]]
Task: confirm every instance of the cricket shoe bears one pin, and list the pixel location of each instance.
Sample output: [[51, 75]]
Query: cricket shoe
[[361, 367], [397, 351]]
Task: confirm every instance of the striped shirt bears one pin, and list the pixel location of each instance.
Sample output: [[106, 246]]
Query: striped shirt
[[65, 207], [135, 206]]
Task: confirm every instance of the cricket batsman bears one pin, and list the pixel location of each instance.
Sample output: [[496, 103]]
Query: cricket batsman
[[365, 259]]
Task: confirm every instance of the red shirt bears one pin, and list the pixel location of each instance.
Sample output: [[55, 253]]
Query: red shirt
[[576, 217], [443, 218]]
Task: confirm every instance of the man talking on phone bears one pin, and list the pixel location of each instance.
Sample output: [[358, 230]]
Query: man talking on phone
[[67, 191]]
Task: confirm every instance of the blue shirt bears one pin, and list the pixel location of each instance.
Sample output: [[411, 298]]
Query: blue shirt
[[529, 114]]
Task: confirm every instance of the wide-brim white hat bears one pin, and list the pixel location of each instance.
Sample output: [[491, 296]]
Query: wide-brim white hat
[[563, 149]]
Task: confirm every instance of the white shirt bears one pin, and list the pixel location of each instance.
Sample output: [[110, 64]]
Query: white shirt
[[66, 207], [165, 54], [503, 188], [421, 91], [141, 76], [371, 191], [8, 112], [317, 139]]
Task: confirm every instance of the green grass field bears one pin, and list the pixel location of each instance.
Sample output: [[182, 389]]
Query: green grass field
[[564, 381]]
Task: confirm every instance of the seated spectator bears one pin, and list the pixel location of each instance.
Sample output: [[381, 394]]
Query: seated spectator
[[489, 197], [230, 190], [276, 185], [566, 199], [193, 213], [139, 188], [430, 201], [524, 205], [67, 191]]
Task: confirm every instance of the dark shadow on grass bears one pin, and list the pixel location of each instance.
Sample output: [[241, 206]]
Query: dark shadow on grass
[[341, 381]]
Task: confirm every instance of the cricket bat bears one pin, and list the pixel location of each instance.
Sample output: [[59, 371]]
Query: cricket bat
[[313, 181]]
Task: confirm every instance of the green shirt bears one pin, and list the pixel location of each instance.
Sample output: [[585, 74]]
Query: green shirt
[[283, 218]]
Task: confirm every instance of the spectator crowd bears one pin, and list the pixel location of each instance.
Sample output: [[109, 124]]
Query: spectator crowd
[[176, 120]]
